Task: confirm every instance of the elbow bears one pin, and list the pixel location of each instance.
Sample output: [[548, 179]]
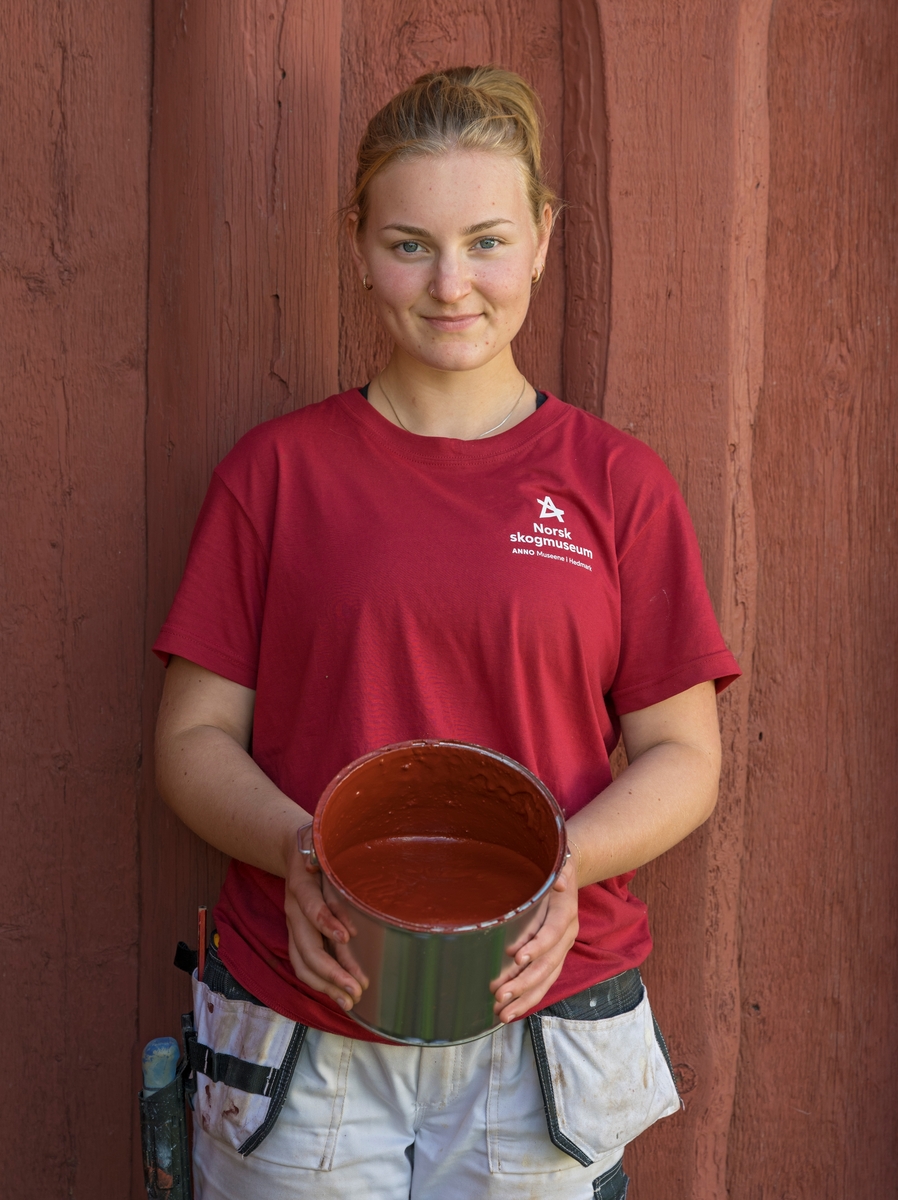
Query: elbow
[[710, 790], [709, 801], [162, 768]]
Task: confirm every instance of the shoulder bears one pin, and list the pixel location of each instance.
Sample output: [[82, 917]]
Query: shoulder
[[628, 483], [274, 458], [283, 441], [603, 450], [291, 430]]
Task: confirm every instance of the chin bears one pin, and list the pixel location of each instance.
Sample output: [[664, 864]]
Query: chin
[[456, 362], [458, 356]]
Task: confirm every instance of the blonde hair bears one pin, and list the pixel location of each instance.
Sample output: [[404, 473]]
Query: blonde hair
[[465, 108]]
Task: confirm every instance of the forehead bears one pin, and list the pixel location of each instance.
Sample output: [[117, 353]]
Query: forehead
[[457, 188]]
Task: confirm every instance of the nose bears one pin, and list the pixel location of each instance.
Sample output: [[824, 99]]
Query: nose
[[451, 279]]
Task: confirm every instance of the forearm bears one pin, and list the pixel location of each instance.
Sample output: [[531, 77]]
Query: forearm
[[223, 796], [655, 803], [669, 788]]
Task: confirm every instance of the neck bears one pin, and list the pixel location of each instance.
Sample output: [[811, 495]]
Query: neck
[[456, 404]]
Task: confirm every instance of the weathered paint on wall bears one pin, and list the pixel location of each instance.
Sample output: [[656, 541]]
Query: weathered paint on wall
[[74, 94], [687, 214], [721, 285], [816, 1111], [243, 326]]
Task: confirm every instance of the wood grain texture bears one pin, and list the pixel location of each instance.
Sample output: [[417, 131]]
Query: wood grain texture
[[243, 327], [722, 285], [816, 1100], [587, 262], [384, 55], [686, 132], [74, 93]]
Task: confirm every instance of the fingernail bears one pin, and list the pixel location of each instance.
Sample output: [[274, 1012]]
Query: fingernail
[[506, 997], [337, 936], [344, 1003], [525, 960]]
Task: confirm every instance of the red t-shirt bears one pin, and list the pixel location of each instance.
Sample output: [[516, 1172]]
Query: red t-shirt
[[375, 586]]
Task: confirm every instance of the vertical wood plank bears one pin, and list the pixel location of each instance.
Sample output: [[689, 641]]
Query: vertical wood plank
[[684, 89], [74, 93], [384, 55], [587, 296], [243, 326], [816, 1098]]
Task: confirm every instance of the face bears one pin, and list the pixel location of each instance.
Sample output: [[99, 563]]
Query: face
[[450, 247]]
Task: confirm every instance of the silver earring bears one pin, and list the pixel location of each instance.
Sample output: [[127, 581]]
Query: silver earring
[[433, 293], [365, 284]]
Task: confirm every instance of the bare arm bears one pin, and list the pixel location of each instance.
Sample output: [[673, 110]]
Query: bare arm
[[206, 776], [669, 789]]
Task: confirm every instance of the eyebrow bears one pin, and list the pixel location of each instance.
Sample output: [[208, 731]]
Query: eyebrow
[[471, 229]]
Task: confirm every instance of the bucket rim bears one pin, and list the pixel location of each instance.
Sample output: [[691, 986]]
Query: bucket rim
[[419, 928]]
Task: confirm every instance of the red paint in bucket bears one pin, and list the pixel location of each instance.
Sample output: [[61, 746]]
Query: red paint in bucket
[[438, 835], [438, 881]]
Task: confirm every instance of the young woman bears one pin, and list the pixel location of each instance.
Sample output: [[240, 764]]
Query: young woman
[[451, 553]]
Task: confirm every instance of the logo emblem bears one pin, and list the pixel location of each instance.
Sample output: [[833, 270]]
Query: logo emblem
[[549, 509]]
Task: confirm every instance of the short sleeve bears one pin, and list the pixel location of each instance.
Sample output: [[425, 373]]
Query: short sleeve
[[670, 639], [216, 617]]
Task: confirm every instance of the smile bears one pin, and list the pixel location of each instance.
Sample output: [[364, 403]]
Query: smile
[[454, 324]]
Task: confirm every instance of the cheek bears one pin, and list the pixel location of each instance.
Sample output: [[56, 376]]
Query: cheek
[[508, 287], [399, 285]]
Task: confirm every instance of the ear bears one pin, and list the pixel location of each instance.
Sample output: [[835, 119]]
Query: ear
[[544, 233], [354, 234]]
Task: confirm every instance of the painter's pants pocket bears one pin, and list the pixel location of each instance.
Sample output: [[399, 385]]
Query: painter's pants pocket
[[603, 1081], [244, 1056]]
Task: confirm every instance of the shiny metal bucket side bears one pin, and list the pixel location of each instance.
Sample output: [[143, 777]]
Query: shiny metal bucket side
[[427, 985], [429, 989]]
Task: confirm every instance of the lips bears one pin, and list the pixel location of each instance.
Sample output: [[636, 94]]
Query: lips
[[453, 324]]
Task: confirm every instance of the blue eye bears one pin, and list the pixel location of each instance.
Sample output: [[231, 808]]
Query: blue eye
[[488, 243], [409, 247]]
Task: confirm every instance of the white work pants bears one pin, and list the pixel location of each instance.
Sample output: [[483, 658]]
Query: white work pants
[[397, 1122]]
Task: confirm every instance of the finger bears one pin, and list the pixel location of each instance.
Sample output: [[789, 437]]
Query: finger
[[564, 883], [347, 960], [529, 990], [529, 983], [339, 907], [326, 922], [537, 973], [320, 970], [307, 896], [510, 972], [526, 1002], [308, 934], [531, 929], [561, 925]]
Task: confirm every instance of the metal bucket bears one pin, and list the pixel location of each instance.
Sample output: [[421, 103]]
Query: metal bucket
[[429, 984]]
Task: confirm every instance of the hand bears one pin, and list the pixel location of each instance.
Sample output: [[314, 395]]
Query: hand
[[310, 921], [537, 963]]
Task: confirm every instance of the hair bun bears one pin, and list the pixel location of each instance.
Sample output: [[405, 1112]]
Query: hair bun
[[468, 108]]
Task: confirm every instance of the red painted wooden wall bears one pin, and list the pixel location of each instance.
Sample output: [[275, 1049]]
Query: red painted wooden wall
[[722, 284], [74, 138]]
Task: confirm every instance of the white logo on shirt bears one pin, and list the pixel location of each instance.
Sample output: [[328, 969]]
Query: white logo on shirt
[[546, 538], [549, 509]]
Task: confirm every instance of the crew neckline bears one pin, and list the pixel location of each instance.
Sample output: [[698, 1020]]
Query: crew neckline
[[422, 448], [541, 397]]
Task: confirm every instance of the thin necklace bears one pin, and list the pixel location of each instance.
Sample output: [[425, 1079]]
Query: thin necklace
[[479, 436]]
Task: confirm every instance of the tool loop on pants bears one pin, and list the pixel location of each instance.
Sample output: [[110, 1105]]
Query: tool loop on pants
[[235, 1072]]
